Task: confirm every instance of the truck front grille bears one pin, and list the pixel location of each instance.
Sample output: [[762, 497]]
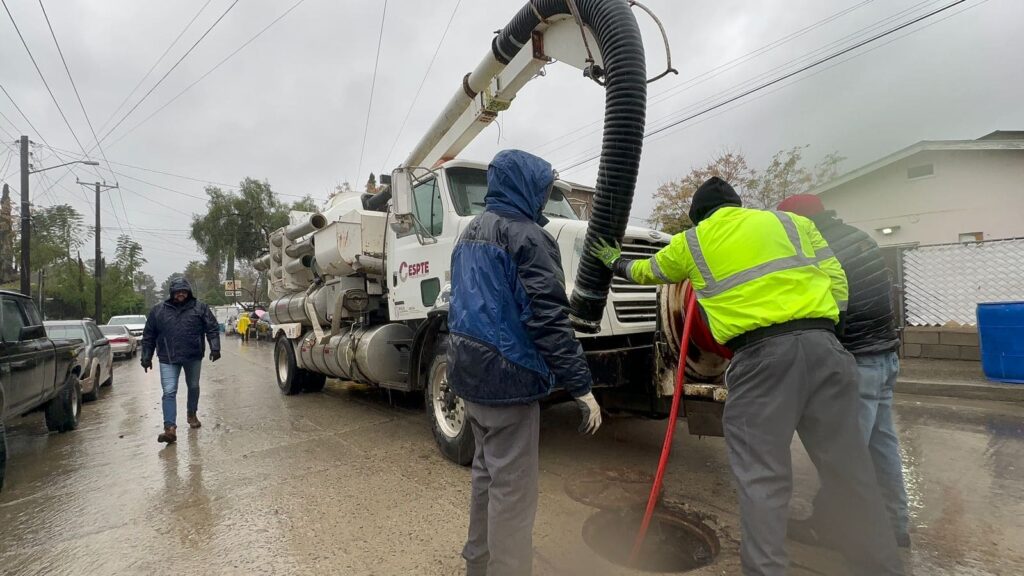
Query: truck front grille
[[632, 303]]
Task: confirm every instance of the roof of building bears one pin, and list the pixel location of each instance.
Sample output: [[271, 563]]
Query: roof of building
[[998, 140]]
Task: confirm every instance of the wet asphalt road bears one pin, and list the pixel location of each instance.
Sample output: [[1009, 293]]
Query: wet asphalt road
[[348, 482]]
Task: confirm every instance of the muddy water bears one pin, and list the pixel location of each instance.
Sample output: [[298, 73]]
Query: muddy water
[[345, 482]]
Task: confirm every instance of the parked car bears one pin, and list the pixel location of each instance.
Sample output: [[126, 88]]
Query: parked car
[[36, 372], [121, 340], [136, 323], [96, 357]]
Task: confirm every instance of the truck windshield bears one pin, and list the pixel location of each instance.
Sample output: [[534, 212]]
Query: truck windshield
[[66, 332], [469, 187]]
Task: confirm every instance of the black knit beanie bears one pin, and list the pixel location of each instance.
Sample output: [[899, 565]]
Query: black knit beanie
[[713, 193]]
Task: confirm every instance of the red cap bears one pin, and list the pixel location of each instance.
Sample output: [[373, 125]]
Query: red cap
[[802, 204]]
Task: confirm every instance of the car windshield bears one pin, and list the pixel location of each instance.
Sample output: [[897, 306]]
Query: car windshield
[[113, 330], [122, 320], [66, 331], [469, 187]]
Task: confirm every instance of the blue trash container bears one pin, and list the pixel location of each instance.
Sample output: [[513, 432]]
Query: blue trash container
[[1001, 333]]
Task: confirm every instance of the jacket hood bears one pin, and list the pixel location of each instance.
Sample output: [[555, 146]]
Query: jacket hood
[[713, 194], [179, 283], [519, 183]]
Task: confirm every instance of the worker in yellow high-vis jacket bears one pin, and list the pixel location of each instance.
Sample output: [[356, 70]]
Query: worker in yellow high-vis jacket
[[772, 291]]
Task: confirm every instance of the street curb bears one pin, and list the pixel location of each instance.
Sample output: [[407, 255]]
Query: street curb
[[993, 391]]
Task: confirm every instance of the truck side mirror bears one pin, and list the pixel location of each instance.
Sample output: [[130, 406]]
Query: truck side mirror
[[401, 192], [31, 333]]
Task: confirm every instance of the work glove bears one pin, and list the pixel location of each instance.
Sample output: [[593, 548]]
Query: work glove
[[147, 364], [590, 412], [214, 355], [606, 253]]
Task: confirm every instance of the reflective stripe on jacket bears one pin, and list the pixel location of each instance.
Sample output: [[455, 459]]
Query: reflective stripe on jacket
[[750, 269]]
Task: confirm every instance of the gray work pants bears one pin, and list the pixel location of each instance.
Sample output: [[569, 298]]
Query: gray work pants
[[804, 382], [503, 502]]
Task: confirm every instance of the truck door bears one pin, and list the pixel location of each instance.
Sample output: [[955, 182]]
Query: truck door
[[419, 261], [18, 361]]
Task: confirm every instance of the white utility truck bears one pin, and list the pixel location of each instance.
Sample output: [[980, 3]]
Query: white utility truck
[[360, 288]]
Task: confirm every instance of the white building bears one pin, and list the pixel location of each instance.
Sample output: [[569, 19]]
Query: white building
[[936, 192]]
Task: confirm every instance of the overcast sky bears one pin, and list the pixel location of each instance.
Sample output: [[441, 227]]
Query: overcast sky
[[291, 107]]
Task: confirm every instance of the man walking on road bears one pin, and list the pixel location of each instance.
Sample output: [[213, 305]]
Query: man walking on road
[[510, 342], [772, 292], [870, 335], [175, 329]]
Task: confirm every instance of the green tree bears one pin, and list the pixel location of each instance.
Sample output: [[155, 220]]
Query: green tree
[[128, 256]]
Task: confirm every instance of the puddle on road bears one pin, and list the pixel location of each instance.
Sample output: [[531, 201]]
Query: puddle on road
[[676, 541]]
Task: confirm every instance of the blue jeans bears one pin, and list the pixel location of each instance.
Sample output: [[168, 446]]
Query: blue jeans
[[877, 380], [169, 374]]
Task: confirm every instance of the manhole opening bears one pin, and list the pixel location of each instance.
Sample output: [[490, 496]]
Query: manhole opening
[[676, 541]]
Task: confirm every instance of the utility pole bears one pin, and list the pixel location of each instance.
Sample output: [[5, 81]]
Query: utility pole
[[99, 187], [26, 221]]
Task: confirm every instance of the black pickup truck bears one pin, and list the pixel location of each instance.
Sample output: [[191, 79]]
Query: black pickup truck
[[36, 373]]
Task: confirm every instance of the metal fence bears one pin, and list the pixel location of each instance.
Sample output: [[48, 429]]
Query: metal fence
[[943, 284]]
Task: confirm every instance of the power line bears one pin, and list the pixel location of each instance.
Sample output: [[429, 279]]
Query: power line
[[166, 74], [208, 72], [424, 81], [42, 77], [373, 84], [781, 78], [86, 114], [155, 64]]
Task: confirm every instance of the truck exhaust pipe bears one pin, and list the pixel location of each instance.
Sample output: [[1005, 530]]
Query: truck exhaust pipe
[[315, 222]]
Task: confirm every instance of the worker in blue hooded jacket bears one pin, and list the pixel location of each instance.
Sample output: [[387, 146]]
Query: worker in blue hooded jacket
[[510, 343]]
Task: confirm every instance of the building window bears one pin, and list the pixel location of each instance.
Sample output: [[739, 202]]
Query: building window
[[921, 171], [968, 237]]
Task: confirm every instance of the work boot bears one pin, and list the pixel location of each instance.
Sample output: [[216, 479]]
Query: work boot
[[170, 435], [193, 420]]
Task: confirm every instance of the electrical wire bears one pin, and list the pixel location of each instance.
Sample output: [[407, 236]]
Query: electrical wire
[[155, 64], [423, 81], [42, 77], [208, 72], [781, 78], [85, 113], [373, 84], [166, 74]]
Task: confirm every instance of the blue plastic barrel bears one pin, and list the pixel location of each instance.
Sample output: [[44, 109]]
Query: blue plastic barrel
[[1001, 333]]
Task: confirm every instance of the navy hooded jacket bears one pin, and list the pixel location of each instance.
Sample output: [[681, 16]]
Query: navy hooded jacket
[[510, 337], [177, 331]]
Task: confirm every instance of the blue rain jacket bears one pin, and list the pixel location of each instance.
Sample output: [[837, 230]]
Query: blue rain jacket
[[510, 337]]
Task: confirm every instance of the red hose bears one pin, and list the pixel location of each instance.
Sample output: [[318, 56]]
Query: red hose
[[652, 500]]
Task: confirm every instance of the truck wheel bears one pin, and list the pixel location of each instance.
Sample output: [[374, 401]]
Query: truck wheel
[[448, 422], [312, 381], [3, 455], [289, 377], [62, 412], [95, 393], [110, 379]]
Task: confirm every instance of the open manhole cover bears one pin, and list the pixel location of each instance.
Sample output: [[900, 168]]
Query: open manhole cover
[[676, 541]]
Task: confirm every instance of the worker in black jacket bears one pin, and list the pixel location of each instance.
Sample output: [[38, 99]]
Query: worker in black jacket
[[175, 330], [870, 335]]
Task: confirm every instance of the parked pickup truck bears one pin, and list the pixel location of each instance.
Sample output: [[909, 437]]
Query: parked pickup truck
[[36, 372]]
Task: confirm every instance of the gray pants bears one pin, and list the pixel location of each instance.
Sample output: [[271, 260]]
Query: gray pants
[[503, 503], [803, 382]]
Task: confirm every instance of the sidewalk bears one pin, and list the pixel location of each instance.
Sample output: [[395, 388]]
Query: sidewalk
[[954, 379]]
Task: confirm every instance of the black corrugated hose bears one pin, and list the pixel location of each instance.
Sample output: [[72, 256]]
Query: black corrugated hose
[[625, 77]]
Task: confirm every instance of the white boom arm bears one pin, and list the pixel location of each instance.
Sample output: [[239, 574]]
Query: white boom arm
[[490, 88]]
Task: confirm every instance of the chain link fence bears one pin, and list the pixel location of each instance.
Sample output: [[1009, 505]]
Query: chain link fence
[[942, 284]]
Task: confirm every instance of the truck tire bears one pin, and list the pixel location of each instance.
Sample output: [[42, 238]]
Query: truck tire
[[95, 393], [312, 381], [289, 377], [62, 412], [110, 379], [447, 412]]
